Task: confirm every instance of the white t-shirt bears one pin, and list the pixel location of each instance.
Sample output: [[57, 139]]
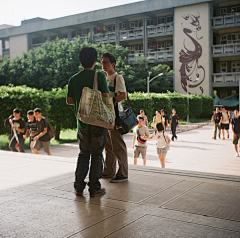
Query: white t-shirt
[[143, 131], [161, 142], [120, 87], [225, 119]]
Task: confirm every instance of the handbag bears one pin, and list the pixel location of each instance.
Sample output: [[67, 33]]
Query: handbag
[[125, 120], [94, 109]]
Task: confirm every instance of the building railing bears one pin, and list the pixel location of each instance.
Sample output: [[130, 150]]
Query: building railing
[[153, 56], [226, 20], [231, 77], [6, 53], [106, 37], [226, 48], [159, 29], [33, 46]]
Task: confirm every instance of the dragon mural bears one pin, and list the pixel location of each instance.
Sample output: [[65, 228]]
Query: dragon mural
[[190, 54]]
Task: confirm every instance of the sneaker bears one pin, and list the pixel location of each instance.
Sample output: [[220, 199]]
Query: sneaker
[[236, 155], [97, 193], [118, 179], [228, 136], [214, 138], [78, 192], [223, 138]]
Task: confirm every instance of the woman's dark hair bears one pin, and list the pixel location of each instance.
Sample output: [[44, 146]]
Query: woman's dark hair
[[160, 126], [111, 58], [87, 56]]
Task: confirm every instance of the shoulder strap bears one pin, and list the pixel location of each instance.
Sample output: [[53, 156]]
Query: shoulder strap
[[164, 137], [95, 81]]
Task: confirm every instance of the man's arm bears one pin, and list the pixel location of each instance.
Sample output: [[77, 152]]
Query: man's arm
[[106, 95], [134, 138], [69, 100], [41, 134], [234, 134], [122, 96]]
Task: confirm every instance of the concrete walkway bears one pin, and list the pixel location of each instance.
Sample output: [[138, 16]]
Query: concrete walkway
[[37, 200], [195, 150]]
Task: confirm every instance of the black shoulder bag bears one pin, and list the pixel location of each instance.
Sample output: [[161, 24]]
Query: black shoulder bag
[[125, 120]]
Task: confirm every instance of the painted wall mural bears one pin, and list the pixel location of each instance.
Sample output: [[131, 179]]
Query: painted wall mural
[[191, 50]]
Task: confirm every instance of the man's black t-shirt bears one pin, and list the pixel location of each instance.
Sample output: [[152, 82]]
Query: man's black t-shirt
[[217, 117], [20, 124], [236, 125], [40, 126], [174, 119], [32, 126], [165, 119]]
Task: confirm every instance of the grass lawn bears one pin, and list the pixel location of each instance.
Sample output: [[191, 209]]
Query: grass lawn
[[67, 136]]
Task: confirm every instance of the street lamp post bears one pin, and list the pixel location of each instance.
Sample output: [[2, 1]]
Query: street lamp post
[[188, 95], [149, 81]]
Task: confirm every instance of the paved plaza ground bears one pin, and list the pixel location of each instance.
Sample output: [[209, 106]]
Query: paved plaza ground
[[37, 197]]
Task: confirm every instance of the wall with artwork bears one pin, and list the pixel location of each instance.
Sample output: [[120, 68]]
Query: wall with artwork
[[192, 49]]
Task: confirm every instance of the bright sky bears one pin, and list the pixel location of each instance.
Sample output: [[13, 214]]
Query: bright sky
[[14, 11]]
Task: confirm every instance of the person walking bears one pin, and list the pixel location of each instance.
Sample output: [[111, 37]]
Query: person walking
[[145, 121], [31, 129], [224, 122], [236, 130], [41, 137], [92, 138], [18, 128], [116, 150], [216, 118], [174, 123], [157, 118], [165, 119], [140, 133]]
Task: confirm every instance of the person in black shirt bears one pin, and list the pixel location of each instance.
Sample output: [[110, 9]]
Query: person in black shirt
[[18, 129], [42, 138], [216, 118], [165, 118], [31, 128], [174, 123], [236, 130]]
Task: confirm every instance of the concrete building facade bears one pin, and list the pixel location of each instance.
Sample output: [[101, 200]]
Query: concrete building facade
[[199, 39]]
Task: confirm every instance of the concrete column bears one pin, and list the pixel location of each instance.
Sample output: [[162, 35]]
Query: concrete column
[[117, 32], [3, 46], [145, 40], [29, 42], [69, 34], [48, 36], [91, 32]]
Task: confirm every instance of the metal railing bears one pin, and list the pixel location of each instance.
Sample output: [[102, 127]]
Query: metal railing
[[6, 53], [226, 20], [226, 48], [232, 77]]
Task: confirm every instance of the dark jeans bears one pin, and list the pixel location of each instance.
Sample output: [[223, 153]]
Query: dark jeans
[[91, 143], [174, 128], [13, 142]]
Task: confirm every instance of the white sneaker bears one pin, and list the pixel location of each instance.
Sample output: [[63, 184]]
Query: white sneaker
[[236, 155]]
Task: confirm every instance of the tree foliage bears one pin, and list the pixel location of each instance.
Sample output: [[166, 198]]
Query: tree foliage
[[52, 64]]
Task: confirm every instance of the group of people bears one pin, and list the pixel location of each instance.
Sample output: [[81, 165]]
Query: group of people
[[160, 124], [36, 128], [221, 121]]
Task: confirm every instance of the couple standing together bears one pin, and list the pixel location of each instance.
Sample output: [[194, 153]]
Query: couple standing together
[[93, 139]]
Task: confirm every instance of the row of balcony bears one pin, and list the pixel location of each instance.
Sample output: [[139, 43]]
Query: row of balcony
[[226, 48], [136, 33], [153, 56], [232, 77], [226, 20]]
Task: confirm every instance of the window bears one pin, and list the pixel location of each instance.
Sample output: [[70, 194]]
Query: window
[[235, 9], [169, 45], [132, 24], [169, 19], [235, 66], [149, 22], [84, 32], [161, 20], [223, 11], [113, 27], [161, 45], [223, 67], [140, 24], [123, 26]]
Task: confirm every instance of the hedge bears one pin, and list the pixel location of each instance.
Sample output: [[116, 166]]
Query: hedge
[[61, 115]]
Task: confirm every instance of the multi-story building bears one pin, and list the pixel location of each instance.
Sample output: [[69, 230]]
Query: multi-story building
[[199, 39]]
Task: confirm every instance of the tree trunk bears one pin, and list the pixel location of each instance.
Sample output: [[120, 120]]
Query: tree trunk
[[57, 134]]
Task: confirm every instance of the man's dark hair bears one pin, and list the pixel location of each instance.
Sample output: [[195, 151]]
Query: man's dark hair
[[162, 110], [223, 107], [218, 108], [111, 58], [141, 111], [17, 110], [87, 56], [160, 126], [141, 118], [30, 112], [37, 110]]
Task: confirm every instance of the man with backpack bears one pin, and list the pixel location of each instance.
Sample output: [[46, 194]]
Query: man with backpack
[[18, 129], [174, 123], [216, 118], [41, 137]]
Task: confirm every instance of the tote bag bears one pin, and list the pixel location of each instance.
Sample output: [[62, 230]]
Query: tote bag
[[94, 109]]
